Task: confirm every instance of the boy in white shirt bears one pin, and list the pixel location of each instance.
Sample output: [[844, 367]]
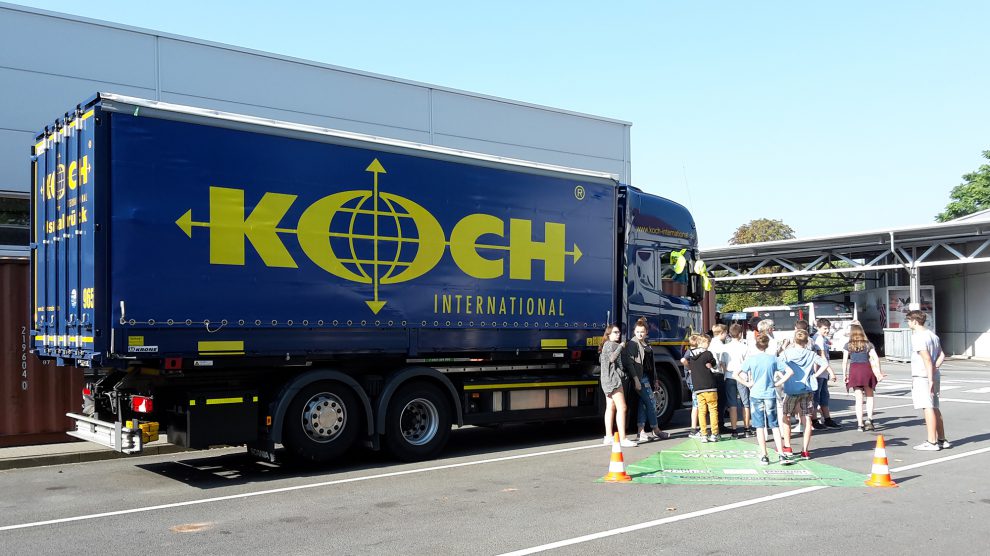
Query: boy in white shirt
[[737, 394]]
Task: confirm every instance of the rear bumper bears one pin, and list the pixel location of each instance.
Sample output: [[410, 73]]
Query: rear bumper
[[112, 435]]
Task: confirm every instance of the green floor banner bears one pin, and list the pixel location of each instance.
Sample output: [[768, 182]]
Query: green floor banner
[[731, 462]]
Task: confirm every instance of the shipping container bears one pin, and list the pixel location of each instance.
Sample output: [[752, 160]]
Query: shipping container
[[34, 395]]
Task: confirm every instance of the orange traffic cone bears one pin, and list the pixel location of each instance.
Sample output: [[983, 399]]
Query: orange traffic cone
[[881, 471], [616, 467]]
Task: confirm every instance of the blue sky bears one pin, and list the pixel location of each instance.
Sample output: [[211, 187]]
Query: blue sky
[[833, 117]]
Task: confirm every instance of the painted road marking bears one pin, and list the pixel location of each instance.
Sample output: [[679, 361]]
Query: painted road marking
[[293, 488], [901, 397], [717, 509], [984, 390], [875, 409]]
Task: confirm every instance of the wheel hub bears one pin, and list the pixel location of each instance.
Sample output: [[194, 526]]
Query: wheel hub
[[419, 421], [324, 417], [660, 401]]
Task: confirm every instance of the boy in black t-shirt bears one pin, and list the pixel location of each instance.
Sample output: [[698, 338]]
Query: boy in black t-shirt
[[700, 363]]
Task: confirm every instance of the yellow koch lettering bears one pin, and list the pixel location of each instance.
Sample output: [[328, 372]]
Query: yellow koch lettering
[[477, 241]]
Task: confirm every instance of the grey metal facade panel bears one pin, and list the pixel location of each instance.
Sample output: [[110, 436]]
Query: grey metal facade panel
[[523, 152], [962, 297], [191, 69], [15, 163], [47, 44], [32, 100], [300, 118], [41, 82], [467, 116]]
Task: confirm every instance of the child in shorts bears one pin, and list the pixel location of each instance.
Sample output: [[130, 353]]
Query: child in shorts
[[733, 355], [760, 373], [800, 381]]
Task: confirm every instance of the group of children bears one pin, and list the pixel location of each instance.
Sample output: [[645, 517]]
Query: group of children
[[769, 382]]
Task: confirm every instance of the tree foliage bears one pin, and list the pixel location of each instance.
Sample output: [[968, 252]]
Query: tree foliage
[[973, 195], [762, 229], [756, 231]]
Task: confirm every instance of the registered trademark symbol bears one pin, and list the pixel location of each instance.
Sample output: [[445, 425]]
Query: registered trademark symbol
[[579, 193]]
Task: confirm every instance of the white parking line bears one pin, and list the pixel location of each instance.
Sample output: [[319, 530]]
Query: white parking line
[[718, 509], [597, 445], [876, 409], [907, 396], [664, 521]]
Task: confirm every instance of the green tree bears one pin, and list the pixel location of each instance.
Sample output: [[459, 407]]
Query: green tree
[[973, 195], [755, 231], [761, 229]]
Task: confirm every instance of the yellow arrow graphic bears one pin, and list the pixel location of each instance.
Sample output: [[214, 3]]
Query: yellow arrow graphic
[[576, 253], [185, 222], [375, 168]]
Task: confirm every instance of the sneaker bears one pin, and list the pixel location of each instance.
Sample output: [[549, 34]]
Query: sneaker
[[805, 455], [607, 441], [869, 425], [643, 438], [817, 425], [927, 446], [713, 438], [764, 460], [832, 424], [626, 443], [695, 434], [787, 459], [861, 428], [751, 432], [704, 439], [660, 435], [944, 444]]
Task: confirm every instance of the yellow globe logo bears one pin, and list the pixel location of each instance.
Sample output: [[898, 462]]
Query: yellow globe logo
[[370, 237]]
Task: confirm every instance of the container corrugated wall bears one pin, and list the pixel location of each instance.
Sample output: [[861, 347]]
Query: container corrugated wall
[[33, 397]]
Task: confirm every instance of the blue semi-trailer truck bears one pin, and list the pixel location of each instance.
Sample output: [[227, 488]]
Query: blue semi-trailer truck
[[226, 279]]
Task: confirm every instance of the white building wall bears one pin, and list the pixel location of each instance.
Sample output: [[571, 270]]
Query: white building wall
[[50, 62], [962, 301]]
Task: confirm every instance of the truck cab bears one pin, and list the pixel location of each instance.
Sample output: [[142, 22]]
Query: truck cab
[[658, 233]]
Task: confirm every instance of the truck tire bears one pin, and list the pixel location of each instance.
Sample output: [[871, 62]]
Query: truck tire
[[322, 422], [663, 398], [417, 423]]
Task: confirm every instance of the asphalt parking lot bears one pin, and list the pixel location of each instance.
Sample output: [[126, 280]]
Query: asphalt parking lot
[[524, 489]]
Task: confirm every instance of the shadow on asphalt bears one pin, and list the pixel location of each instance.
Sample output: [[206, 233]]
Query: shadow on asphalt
[[210, 472]]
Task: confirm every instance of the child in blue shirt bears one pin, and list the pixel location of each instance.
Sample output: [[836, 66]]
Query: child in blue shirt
[[800, 382], [760, 373]]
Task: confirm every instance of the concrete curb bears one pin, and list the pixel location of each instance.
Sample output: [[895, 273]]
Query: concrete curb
[[40, 460]]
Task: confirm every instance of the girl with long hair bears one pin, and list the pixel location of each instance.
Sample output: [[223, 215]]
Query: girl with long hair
[[861, 372], [612, 375]]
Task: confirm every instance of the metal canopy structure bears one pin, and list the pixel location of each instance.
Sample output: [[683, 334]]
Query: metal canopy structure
[[849, 258]]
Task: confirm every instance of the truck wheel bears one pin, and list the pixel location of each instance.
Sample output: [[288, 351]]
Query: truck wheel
[[663, 398], [417, 423], [321, 422]]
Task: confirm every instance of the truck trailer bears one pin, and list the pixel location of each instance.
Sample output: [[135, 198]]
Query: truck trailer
[[233, 280], [887, 307]]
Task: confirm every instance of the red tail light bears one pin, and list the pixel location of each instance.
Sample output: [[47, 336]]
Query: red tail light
[[87, 392], [142, 404]]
